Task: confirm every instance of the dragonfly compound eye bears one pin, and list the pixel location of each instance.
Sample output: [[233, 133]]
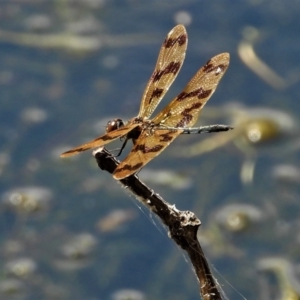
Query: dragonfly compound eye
[[113, 125]]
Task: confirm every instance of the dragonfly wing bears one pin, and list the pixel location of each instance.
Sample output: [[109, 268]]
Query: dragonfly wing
[[169, 62], [184, 110], [145, 149], [101, 140]]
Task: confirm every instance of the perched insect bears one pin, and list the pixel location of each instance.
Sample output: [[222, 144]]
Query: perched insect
[[152, 136]]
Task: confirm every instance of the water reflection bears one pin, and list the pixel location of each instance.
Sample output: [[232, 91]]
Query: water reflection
[[238, 217], [27, 199], [21, 267], [34, 115], [256, 131], [13, 289], [253, 62], [128, 294], [115, 220], [286, 174], [228, 224], [288, 286], [77, 252], [174, 180]]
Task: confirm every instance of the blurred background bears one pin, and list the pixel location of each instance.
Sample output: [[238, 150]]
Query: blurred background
[[67, 229]]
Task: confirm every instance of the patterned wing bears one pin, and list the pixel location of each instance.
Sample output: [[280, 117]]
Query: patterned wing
[[101, 140], [146, 148], [183, 111], [169, 62]]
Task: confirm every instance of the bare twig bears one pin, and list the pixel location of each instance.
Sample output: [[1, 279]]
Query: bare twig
[[183, 225]]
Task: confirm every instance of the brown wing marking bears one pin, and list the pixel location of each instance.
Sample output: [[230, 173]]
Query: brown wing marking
[[101, 140], [183, 111], [145, 149], [169, 62]]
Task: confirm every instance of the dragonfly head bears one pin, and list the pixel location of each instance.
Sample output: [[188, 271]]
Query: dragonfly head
[[113, 125]]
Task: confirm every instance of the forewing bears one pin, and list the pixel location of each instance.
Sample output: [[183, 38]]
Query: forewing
[[183, 111], [101, 140], [146, 148], [169, 62]]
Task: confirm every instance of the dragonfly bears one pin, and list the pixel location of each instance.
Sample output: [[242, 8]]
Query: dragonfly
[[151, 136]]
